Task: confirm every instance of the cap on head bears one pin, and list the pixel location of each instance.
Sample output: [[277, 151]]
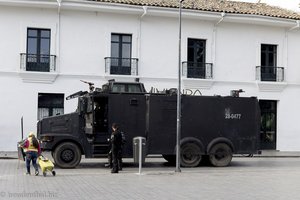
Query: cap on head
[[31, 134]]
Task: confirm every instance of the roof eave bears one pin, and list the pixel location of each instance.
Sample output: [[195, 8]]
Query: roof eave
[[30, 3], [83, 5]]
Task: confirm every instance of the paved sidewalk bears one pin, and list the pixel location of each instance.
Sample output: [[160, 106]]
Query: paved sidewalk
[[246, 178], [264, 153]]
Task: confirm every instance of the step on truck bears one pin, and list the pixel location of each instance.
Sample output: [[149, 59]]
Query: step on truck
[[214, 127]]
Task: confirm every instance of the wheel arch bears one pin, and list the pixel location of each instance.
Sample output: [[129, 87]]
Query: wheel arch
[[69, 140], [220, 140], [192, 140]]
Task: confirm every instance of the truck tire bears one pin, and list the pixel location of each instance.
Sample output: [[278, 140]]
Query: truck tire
[[220, 155], [67, 155], [190, 155]]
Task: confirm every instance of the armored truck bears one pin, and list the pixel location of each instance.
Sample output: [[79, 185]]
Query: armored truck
[[214, 127]]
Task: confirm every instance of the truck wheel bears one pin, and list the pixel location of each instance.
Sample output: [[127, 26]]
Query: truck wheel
[[190, 154], [170, 158], [67, 155], [220, 155]]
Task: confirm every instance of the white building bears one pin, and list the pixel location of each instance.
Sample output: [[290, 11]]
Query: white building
[[48, 46]]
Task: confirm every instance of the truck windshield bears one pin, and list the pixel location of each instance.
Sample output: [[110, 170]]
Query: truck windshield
[[130, 88]]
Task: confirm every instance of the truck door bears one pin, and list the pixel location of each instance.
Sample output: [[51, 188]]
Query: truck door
[[100, 120], [129, 111]]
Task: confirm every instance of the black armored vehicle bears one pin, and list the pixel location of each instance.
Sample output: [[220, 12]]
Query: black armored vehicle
[[211, 126]]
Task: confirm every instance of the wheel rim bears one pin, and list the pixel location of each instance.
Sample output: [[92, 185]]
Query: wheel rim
[[67, 155], [190, 154], [221, 154]]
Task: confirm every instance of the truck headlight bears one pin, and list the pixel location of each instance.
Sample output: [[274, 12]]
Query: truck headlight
[[46, 138]]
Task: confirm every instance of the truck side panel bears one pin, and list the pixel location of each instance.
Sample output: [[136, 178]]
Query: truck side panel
[[162, 124], [209, 118], [241, 122], [201, 118]]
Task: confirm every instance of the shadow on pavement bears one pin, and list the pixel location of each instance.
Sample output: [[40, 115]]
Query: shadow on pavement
[[151, 164]]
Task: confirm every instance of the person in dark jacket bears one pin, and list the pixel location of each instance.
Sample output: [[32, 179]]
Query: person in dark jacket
[[120, 154], [116, 145]]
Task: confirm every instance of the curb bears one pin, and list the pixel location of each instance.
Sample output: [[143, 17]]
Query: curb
[[8, 155]]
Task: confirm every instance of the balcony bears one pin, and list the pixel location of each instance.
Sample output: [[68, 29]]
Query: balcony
[[38, 68], [273, 74], [121, 66], [38, 62], [197, 70]]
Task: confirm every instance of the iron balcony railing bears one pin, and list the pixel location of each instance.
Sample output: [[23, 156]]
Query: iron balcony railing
[[197, 70], [38, 62], [270, 73], [121, 66]]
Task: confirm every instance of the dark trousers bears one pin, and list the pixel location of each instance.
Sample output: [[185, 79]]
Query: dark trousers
[[31, 156], [119, 159], [115, 166], [120, 162]]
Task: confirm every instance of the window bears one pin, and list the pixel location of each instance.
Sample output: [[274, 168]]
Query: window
[[50, 105], [196, 66], [38, 50], [121, 54], [268, 62]]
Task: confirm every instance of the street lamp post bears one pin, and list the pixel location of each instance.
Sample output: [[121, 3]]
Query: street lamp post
[[178, 130]]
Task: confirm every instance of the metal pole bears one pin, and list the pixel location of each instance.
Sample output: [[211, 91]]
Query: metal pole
[[22, 136], [140, 155], [178, 130], [22, 133]]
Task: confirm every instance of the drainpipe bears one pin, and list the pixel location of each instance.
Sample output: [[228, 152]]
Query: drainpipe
[[58, 36], [59, 5], [222, 18], [286, 41], [145, 8], [139, 39], [214, 39], [296, 26]]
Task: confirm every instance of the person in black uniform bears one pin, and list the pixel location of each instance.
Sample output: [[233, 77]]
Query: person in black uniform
[[120, 154], [116, 145]]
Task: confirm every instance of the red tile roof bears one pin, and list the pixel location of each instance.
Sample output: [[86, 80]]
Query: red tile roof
[[216, 6]]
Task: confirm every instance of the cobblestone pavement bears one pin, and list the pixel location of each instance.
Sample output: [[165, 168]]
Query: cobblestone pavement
[[246, 178]]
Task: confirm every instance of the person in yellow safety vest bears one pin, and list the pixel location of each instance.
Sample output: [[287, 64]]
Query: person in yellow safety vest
[[33, 150]]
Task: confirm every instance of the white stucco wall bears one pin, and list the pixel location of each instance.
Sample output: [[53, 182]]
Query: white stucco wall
[[81, 40]]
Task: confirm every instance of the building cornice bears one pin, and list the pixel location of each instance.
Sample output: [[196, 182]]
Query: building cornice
[[30, 3]]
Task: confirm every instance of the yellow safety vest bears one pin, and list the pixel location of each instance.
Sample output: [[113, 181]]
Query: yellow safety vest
[[30, 146]]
